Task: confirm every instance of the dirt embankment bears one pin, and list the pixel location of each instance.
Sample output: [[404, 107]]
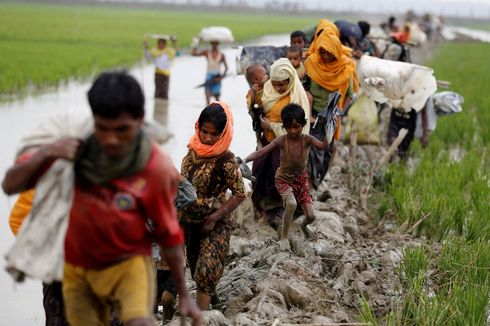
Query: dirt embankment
[[321, 280]]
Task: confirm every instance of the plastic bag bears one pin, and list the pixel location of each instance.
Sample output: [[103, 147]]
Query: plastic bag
[[186, 195], [265, 55], [364, 115], [446, 103]]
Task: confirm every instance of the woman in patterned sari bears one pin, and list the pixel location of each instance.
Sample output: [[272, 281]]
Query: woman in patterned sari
[[212, 170]]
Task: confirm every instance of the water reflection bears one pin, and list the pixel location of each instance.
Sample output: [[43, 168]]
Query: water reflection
[[22, 304], [160, 111]]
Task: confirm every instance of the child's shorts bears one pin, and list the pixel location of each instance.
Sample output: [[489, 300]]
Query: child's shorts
[[300, 186]]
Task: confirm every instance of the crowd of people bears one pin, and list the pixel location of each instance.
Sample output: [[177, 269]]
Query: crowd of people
[[124, 186]]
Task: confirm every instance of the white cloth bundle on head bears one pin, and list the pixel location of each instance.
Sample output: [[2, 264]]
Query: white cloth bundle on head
[[216, 34], [417, 35], [404, 86]]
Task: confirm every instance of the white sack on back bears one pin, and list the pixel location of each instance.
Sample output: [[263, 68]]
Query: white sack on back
[[216, 33], [402, 85]]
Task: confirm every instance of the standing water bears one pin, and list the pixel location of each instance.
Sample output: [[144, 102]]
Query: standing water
[[21, 304]]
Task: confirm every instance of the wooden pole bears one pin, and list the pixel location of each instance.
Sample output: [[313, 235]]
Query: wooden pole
[[353, 154], [401, 135]]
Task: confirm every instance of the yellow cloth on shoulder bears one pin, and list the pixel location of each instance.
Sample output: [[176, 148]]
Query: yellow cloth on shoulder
[[274, 115], [21, 209], [162, 63]]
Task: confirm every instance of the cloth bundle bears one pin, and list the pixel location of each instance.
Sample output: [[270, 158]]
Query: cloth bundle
[[446, 103], [216, 34], [404, 86]]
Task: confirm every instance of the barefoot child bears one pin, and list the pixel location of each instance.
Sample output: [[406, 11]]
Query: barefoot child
[[292, 176]]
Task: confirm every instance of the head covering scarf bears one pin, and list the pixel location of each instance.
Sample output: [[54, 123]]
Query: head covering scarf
[[323, 25], [96, 166], [335, 75], [223, 143], [282, 70]]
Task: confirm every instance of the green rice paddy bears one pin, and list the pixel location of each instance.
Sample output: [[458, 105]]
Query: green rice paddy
[[45, 44], [447, 281]]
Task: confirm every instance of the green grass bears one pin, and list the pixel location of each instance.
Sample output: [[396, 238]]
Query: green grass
[[465, 66], [454, 196], [45, 44], [454, 292]]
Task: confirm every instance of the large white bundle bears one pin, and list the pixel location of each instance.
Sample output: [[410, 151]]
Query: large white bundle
[[403, 85], [216, 33]]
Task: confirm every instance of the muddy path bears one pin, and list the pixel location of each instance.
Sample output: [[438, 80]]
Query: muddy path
[[319, 281], [312, 281]]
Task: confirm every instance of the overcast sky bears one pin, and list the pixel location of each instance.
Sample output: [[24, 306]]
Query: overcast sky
[[471, 8], [468, 8]]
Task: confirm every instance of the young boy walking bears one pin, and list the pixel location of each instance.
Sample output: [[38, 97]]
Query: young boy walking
[[292, 175]]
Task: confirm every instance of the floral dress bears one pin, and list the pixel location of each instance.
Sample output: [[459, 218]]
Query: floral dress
[[211, 177]]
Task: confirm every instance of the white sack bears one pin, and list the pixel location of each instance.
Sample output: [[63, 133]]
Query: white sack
[[417, 35], [400, 84], [216, 33]]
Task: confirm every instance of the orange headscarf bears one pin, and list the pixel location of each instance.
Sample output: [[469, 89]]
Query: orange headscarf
[[335, 75], [223, 143]]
